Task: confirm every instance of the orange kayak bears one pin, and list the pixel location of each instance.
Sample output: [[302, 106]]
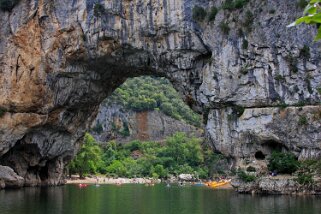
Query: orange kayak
[[215, 184]]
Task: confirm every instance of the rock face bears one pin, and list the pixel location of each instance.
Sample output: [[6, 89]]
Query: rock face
[[9, 179], [116, 123], [59, 59], [281, 185]]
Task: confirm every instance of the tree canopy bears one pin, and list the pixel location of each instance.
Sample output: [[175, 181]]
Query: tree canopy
[[178, 154], [153, 93]]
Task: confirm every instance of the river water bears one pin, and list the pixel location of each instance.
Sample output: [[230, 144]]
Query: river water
[[159, 199]]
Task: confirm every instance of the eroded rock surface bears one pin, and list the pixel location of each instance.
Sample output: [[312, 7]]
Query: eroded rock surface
[[9, 179], [276, 185], [59, 59], [114, 122]]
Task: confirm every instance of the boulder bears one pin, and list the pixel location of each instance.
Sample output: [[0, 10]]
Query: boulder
[[10, 179]]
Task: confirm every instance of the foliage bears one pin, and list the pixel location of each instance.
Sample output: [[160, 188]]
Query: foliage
[[238, 110], [199, 13], [250, 169], [279, 78], [292, 61], [305, 179], [233, 5], [179, 154], [8, 5], [302, 4], [319, 90], [248, 21], [283, 105], [283, 162], [98, 10], [88, 160], [224, 28], [312, 16], [302, 121], [310, 166], [212, 14], [98, 128], [245, 44], [152, 93], [2, 111], [246, 177], [305, 52]]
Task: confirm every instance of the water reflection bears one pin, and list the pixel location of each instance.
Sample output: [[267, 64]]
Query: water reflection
[[138, 199]]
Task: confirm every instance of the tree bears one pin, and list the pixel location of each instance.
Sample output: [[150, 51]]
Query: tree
[[283, 162], [311, 15], [89, 158]]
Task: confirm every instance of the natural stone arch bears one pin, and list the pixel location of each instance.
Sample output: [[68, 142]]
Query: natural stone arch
[[59, 61]]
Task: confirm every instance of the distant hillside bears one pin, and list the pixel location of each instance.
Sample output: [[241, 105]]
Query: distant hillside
[[153, 93], [145, 108]]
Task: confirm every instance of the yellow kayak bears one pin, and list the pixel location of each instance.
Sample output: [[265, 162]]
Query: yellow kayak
[[215, 184]]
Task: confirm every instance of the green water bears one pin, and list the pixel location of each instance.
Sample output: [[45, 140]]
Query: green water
[[138, 199]]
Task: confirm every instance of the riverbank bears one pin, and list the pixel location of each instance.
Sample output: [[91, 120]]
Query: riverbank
[[105, 180]]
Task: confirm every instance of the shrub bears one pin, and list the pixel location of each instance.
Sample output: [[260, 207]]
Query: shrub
[[283, 162], [305, 52], [245, 177], [238, 110], [319, 90], [301, 103], [8, 5], [248, 21], [98, 128], [302, 121], [238, 4], [250, 169], [272, 11], [292, 62], [279, 78], [233, 5], [199, 13], [224, 28], [302, 3], [212, 14], [98, 9], [305, 179], [283, 105], [228, 5], [2, 111], [245, 44]]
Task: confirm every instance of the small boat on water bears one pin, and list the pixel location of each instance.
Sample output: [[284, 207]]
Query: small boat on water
[[215, 184], [82, 185]]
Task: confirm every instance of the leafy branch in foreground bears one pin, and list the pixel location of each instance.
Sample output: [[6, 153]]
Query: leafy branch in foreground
[[311, 16]]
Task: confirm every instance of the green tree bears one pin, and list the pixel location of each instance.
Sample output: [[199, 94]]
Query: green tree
[[153, 93], [89, 158], [117, 168], [311, 15], [283, 162]]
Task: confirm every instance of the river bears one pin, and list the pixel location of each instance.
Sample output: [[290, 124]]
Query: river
[[159, 199]]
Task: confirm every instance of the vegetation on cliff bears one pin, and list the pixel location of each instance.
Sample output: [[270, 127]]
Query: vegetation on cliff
[[311, 15], [178, 154], [153, 93], [283, 162]]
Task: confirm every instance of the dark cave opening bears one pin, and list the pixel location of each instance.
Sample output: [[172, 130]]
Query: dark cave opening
[[259, 155]]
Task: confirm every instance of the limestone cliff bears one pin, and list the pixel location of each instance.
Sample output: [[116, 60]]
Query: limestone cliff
[[59, 59], [114, 122]]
